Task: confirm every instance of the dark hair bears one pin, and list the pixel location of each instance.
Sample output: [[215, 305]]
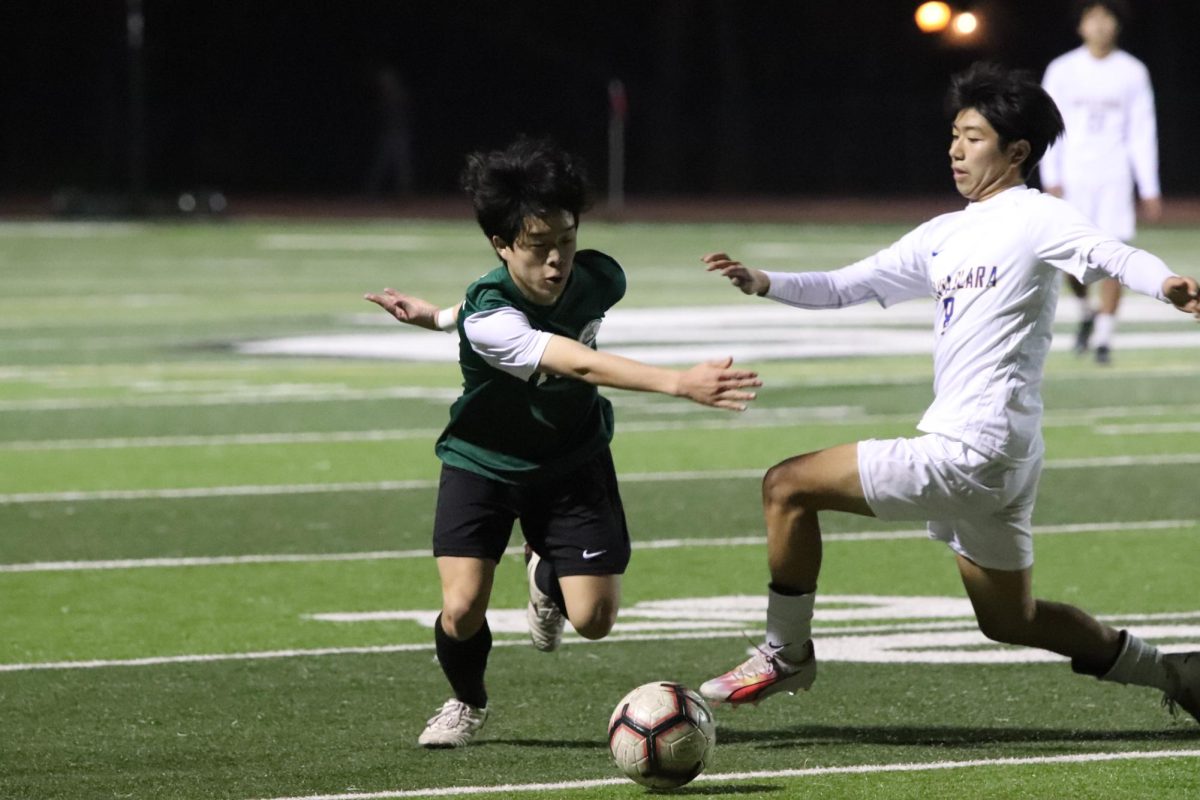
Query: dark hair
[[1013, 102], [530, 177], [1118, 8]]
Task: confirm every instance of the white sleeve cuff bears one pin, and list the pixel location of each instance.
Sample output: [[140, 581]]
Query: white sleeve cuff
[[447, 319]]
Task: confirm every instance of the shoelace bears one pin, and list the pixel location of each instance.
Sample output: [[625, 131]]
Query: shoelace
[[764, 659], [449, 715]]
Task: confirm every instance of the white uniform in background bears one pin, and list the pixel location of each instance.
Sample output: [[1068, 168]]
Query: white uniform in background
[[994, 271], [1111, 139]]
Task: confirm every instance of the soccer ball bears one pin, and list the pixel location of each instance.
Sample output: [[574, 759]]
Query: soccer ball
[[661, 735]]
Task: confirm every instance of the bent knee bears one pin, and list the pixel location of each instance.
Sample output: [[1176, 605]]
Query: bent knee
[[597, 623], [1005, 630], [786, 483]]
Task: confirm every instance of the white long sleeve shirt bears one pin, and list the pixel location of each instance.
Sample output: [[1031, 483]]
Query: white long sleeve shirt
[[992, 269], [1111, 134]]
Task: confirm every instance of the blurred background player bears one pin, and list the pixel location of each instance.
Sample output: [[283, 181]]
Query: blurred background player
[[392, 164], [993, 270], [1111, 142], [529, 437]]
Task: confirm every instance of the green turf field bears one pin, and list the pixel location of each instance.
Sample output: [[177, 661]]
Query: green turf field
[[214, 580]]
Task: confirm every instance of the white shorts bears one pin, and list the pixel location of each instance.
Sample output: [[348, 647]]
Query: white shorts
[[1110, 206], [981, 507]]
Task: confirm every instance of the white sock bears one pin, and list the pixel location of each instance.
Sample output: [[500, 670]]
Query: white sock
[[1085, 308], [1103, 332], [1139, 664], [789, 624]]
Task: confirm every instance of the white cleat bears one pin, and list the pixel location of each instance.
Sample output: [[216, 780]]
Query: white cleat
[[544, 617], [1185, 671], [455, 724]]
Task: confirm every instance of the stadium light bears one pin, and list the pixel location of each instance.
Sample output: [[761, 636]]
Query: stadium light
[[965, 24], [932, 17]]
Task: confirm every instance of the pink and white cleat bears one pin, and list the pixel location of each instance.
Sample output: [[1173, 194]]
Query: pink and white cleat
[[765, 673]]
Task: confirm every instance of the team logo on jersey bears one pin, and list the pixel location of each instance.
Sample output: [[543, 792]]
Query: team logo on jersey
[[588, 334]]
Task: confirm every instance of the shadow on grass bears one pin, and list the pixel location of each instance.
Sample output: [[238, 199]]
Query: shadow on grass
[[945, 736], [713, 791], [551, 744]]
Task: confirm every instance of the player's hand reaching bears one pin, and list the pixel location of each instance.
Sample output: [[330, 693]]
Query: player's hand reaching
[[1183, 293], [714, 383], [750, 281], [412, 310]]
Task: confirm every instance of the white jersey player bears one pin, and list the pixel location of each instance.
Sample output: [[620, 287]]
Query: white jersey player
[[1110, 144], [992, 270]]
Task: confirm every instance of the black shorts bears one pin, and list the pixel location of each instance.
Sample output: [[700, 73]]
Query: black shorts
[[575, 521]]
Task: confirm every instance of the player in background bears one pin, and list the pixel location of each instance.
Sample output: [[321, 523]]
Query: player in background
[[528, 438], [993, 271], [1110, 143]]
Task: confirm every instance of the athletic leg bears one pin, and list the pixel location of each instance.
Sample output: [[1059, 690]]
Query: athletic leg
[[793, 493], [577, 528], [1106, 319], [1087, 316], [1007, 612], [463, 642]]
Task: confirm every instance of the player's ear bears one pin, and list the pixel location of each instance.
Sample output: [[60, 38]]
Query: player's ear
[[499, 245], [1019, 151]]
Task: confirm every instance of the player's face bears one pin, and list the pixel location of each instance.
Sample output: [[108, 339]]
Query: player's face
[[980, 167], [540, 260], [1098, 28]]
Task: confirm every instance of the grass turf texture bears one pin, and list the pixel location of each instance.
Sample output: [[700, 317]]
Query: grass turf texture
[[141, 350]]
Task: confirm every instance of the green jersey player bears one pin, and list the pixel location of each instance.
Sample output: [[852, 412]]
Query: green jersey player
[[529, 438]]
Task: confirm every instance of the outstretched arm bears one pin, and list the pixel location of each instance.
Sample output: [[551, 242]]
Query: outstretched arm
[[415, 311], [712, 383]]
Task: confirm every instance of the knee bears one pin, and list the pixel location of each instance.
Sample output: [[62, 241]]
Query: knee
[[1004, 628], [597, 622], [785, 485], [462, 618]]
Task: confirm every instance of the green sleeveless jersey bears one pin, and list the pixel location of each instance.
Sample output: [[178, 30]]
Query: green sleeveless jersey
[[522, 431]]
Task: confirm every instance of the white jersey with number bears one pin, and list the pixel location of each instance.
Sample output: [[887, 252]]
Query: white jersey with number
[[992, 270], [1111, 135]]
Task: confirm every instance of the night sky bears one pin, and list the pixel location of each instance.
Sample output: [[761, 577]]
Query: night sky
[[795, 98]]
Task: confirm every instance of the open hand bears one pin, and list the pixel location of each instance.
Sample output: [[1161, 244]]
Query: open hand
[[750, 281], [713, 383]]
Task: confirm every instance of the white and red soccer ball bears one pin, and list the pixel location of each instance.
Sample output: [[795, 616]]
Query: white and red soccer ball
[[661, 735]]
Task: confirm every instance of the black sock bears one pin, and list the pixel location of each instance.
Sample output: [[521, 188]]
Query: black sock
[[547, 581], [464, 662], [786, 591]]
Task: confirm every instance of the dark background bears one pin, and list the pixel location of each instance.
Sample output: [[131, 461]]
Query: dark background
[[726, 96]]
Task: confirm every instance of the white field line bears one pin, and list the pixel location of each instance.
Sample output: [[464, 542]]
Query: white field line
[[1137, 429], [762, 418], [215, 491], [655, 544], [245, 396], [377, 486], [222, 440], [723, 777], [570, 639]]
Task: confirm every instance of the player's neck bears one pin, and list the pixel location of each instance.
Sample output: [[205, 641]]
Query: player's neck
[[1099, 52]]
